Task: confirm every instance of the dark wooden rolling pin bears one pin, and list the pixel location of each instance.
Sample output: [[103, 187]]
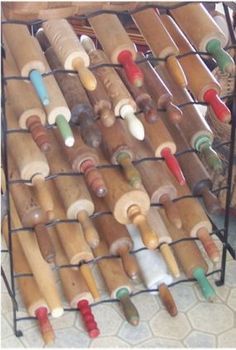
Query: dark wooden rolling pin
[[116, 149], [117, 282], [85, 159], [82, 113]]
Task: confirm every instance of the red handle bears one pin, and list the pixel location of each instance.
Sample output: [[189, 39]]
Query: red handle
[[44, 324], [88, 318], [133, 72], [220, 109], [173, 165], [93, 178]]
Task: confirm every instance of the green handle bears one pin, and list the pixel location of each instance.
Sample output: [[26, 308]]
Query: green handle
[[211, 157], [223, 59], [206, 288], [65, 130], [130, 311]]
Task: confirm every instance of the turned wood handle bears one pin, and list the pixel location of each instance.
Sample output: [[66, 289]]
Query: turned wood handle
[[43, 195], [170, 260], [89, 230], [45, 244], [86, 76], [129, 262], [167, 299], [171, 210]]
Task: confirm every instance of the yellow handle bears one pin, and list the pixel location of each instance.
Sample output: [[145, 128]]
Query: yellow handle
[[176, 71], [170, 259], [86, 76], [89, 279], [90, 233]]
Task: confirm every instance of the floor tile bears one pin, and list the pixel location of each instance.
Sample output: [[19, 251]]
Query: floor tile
[[32, 338], [134, 335], [200, 340], [147, 305], [227, 339], [70, 338], [232, 299], [6, 329], [184, 297], [160, 343], [11, 342], [108, 342], [230, 275]]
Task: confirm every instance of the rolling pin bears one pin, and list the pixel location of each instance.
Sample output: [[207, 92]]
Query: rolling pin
[[194, 127], [73, 192], [69, 50], [30, 213], [27, 108], [117, 45], [157, 182], [209, 37], [27, 56], [84, 159], [117, 282], [190, 258], [128, 205], [33, 299], [117, 151], [123, 103], [159, 91], [73, 242], [82, 113], [31, 163], [117, 238], [74, 287], [160, 42], [201, 82], [154, 272]]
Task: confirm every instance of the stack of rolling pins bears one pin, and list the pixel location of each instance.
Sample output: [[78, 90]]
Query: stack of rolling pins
[[107, 195]]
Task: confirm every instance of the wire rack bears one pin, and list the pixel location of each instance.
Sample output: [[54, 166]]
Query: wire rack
[[222, 233]]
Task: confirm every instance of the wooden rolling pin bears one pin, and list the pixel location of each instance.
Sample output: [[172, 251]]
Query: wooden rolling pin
[[73, 242], [190, 258], [27, 108], [201, 82], [33, 299], [31, 163], [209, 37], [128, 205], [157, 182], [85, 159], [154, 272], [117, 45], [122, 101], [82, 113], [194, 127], [117, 238], [27, 56], [159, 91], [69, 50], [73, 192], [30, 213], [74, 287], [160, 42], [117, 282], [116, 149]]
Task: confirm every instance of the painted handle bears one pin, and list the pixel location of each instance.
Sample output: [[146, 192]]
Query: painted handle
[[219, 108], [65, 130], [130, 311], [88, 318], [38, 133], [89, 230], [167, 299], [211, 157], [133, 72], [176, 71], [173, 165], [170, 260], [93, 178], [171, 210], [87, 78], [208, 244], [44, 325], [129, 262], [44, 242], [223, 59], [132, 175], [39, 86], [135, 126], [204, 284]]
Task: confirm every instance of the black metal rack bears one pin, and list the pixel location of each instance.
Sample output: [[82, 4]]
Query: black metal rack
[[222, 233]]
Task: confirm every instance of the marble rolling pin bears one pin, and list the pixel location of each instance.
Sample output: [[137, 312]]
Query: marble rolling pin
[[74, 287], [160, 42], [31, 163], [82, 113], [73, 192], [33, 299], [129, 205], [154, 272], [201, 82], [196, 222], [30, 213], [28, 57], [117, 45], [190, 258], [69, 50], [159, 91], [27, 108], [72, 239], [117, 282], [117, 238], [209, 37], [123, 103], [193, 125], [117, 150], [84, 159]]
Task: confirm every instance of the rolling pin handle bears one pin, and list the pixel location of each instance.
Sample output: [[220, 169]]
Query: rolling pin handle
[[211, 157], [87, 78], [88, 318], [132, 175], [129, 262], [88, 228], [219, 108], [130, 311], [133, 72], [90, 134], [204, 284], [43, 195], [176, 71], [150, 114], [38, 133], [65, 130], [223, 59], [170, 260], [208, 244], [93, 178], [171, 210], [90, 281], [87, 43], [211, 202], [167, 299], [45, 326], [135, 126], [107, 117], [173, 165], [44, 242], [174, 114], [39, 86]]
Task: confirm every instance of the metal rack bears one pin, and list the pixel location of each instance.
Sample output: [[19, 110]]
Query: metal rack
[[222, 233]]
